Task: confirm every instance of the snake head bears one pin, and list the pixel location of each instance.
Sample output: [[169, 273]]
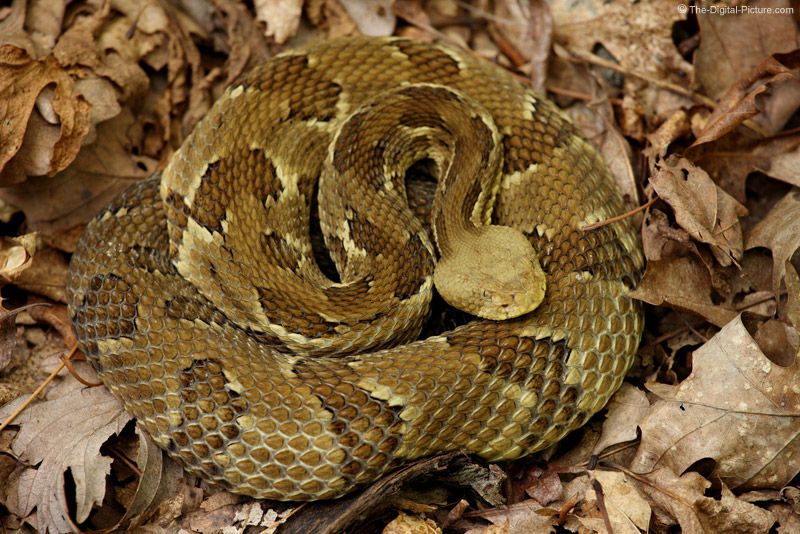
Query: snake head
[[495, 274]]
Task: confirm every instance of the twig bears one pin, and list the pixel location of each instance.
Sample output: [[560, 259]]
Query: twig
[[598, 224], [35, 394], [600, 62], [601, 504]]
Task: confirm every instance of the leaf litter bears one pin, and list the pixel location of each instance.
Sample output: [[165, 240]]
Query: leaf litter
[[696, 111]]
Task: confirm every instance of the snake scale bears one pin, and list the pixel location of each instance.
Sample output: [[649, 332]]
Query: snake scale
[[197, 294]]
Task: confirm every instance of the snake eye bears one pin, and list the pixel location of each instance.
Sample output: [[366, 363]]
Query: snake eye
[[485, 294]]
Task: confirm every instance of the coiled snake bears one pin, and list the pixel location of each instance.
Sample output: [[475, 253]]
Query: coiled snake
[[198, 298]]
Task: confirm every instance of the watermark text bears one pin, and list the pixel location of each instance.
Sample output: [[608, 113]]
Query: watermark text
[[734, 10]]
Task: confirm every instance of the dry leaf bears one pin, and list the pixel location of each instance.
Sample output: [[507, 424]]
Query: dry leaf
[[779, 231], [730, 515], [542, 486], [524, 31], [26, 84], [739, 102], [46, 275], [783, 164], [676, 125], [101, 171], [158, 479], [16, 255], [411, 524], [683, 500], [731, 159], [792, 280], [373, 17], [595, 124], [332, 16], [659, 238], [723, 57], [673, 498], [522, 517], [281, 17], [627, 509], [701, 208], [682, 283], [737, 408], [63, 433], [637, 34], [626, 409], [8, 332]]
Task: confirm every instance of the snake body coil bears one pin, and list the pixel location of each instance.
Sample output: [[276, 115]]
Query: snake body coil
[[197, 296]]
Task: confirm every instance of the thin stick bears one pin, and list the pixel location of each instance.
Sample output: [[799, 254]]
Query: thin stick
[[675, 88], [598, 224], [577, 95], [34, 394]]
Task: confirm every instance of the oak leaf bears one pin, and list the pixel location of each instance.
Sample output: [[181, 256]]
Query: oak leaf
[[63, 433], [682, 500], [737, 408]]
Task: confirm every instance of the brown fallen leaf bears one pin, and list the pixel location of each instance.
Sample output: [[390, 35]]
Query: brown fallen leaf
[[63, 433], [597, 125], [731, 159], [739, 103], [281, 17], [776, 339], [542, 486], [676, 126], [248, 47], [628, 510], [16, 255], [372, 18], [525, 516], [673, 498], [333, 516], [779, 231], [626, 409], [702, 208], [331, 16], [43, 85], [732, 45], [682, 501], [792, 280], [737, 408], [523, 30], [486, 481], [682, 283], [158, 480], [637, 34], [411, 524], [46, 275], [8, 331], [780, 159], [659, 239], [100, 172], [730, 515]]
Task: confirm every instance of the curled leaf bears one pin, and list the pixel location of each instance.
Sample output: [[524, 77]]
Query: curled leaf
[[62, 108]]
